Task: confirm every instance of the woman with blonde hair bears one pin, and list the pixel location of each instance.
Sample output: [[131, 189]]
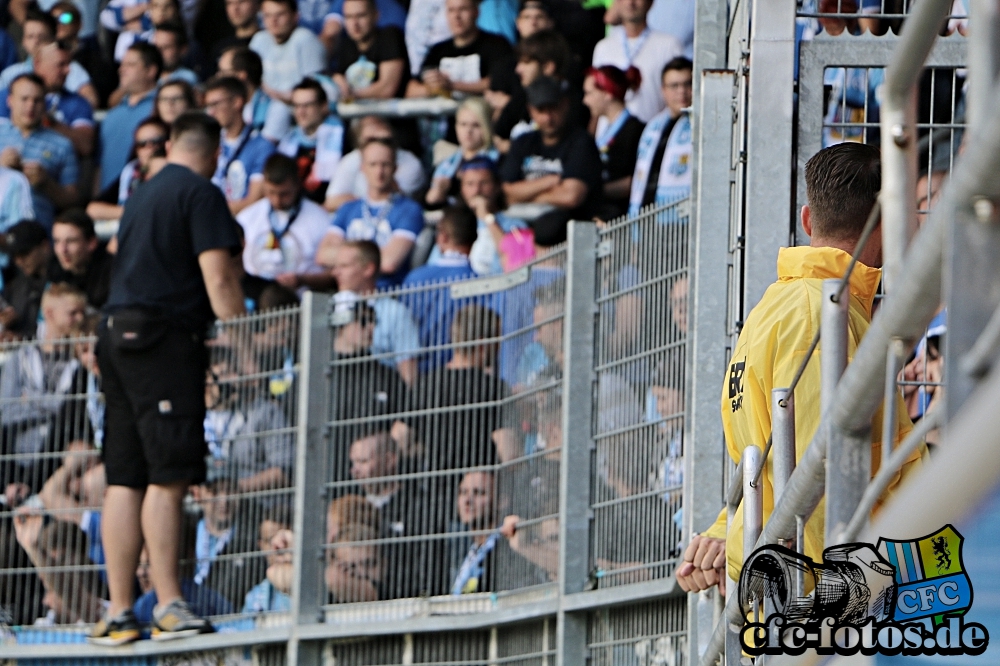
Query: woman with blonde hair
[[475, 137]]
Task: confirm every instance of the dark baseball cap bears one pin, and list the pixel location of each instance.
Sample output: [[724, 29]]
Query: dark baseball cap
[[535, 4], [24, 237], [544, 92]]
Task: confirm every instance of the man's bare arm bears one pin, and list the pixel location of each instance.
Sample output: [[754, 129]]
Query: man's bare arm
[[223, 286], [569, 193], [526, 191]]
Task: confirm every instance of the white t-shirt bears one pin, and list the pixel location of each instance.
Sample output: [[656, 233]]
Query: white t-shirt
[[348, 179], [287, 64], [272, 247], [649, 52]]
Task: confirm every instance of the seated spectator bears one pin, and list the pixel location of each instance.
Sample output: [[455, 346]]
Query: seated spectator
[[356, 571], [244, 431], [456, 439], [617, 133], [39, 29], [239, 173], [464, 63], [484, 561], [391, 220], [223, 531], [317, 142], [171, 39], [349, 510], [349, 181], [243, 17], [388, 14], [557, 165], [434, 308], [544, 357], [268, 119], [67, 113], [173, 98], [289, 52], [29, 248], [475, 138], [355, 266], [139, 73], [15, 205], [634, 44], [275, 539], [663, 162], [80, 258], [141, 29], [533, 16], [35, 384], [74, 494], [45, 157], [203, 600], [85, 50], [371, 60], [150, 147], [503, 243], [283, 230]]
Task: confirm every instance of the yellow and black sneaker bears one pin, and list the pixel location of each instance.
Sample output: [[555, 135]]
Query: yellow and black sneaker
[[176, 620], [113, 631]]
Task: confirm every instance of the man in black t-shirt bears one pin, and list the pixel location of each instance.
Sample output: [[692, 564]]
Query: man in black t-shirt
[[465, 62], [173, 271], [79, 257], [558, 164], [371, 62]]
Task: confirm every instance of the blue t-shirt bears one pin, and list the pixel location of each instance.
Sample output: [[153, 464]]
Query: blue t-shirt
[[434, 308], [498, 16], [116, 135], [53, 151], [361, 220], [239, 162], [66, 107]]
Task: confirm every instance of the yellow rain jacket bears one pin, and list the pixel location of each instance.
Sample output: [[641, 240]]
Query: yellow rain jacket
[[770, 349]]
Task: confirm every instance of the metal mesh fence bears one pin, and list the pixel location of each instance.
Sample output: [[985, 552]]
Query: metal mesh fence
[[640, 363], [260, 655], [875, 16], [650, 634]]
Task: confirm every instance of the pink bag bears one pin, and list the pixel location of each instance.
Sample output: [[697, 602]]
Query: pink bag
[[517, 248]]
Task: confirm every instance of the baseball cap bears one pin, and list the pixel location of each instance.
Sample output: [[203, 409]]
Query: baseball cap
[[544, 92], [24, 237], [535, 4]]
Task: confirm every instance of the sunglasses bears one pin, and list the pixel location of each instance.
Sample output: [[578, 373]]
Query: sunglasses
[[146, 143]]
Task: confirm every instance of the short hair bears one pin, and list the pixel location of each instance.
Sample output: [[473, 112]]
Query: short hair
[[280, 513], [27, 76], [229, 84], [291, 4], [842, 185], [359, 124], [79, 219], [367, 250], [186, 89], [275, 296], [154, 121], [280, 168], [64, 7], [545, 46], [197, 131], [372, 6], [484, 114], [475, 322], [247, 62], [62, 290], [309, 83], [42, 17], [679, 63], [352, 510], [388, 143], [355, 532], [459, 225], [384, 443], [150, 55], [175, 29]]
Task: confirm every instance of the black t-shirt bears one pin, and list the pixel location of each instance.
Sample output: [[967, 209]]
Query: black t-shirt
[[94, 282], [574, 156], [388, 44], [167, 223], [620, 163], [487, 50]]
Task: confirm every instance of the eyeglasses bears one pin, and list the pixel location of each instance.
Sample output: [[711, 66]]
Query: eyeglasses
[[216, 103], [172, 99], [304, 105], [146, 143], [680, 85]]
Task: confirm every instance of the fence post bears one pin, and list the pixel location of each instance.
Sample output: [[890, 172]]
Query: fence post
[[753, 523], [578, 442], [310, 469]]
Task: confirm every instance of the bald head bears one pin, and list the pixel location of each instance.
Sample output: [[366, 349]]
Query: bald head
[[52, 65]]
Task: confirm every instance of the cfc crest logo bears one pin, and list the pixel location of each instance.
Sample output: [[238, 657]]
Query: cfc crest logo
[[899, 597]]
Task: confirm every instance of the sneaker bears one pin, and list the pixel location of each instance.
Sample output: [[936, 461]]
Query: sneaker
[[113, 631], [176, 620]]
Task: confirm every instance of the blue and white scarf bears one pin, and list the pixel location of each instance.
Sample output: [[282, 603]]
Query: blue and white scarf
[[674, 181]]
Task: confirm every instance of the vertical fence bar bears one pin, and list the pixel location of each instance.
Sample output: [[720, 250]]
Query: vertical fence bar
[[753, 523], [783, 439], [310, 468], [890, 408], [833, 341], [577, 416]]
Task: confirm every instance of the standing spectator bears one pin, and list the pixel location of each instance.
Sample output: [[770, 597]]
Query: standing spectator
[[139, 71], [426, 25], [475, 138], [389, 14], [149, 141], [171, 39], [175, 242], [355, 266], [371, 60], [80, 258], [39, 30], [462, 64], [634, 44], [244, 19], [29, 248], [289, 52], [67, 113], [239, 173], [317, 142], [268, 118], [284, 229], [349, 180], [86, 52], [557, 165], [663, 160], [44, 156], [173, 98], [271, 594], [617, 133], [493, 252], [392, 220]]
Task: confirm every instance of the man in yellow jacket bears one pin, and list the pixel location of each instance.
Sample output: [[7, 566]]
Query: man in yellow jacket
[[842, 184]]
